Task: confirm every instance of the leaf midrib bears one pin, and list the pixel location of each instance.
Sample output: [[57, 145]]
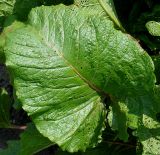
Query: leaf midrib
[[60, 54]]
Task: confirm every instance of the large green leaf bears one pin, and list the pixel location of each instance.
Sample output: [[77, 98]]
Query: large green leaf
[[64, 62]]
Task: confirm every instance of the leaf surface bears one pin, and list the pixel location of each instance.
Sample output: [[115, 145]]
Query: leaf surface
[[64, 62]]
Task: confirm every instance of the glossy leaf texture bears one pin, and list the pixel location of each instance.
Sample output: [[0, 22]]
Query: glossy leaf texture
[[64, 62]]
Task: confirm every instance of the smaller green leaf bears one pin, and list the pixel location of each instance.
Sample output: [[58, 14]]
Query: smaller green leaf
[[139, 113], [148, 134], [153, 28], [30, 143], [123, 115], [13, 148], [117, 121], [147, 127], [4, 109]]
